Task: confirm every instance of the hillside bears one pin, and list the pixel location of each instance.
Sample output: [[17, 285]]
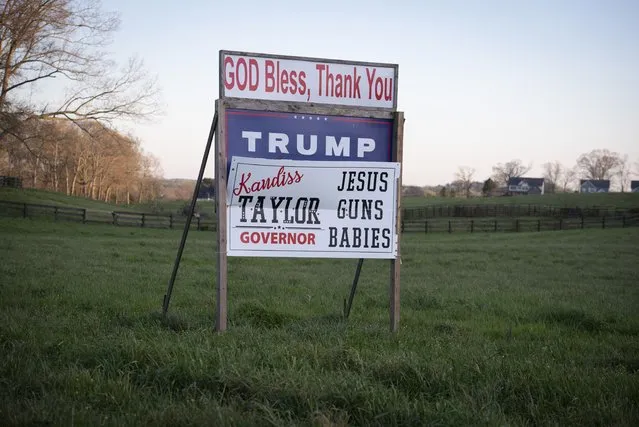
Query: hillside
[[43, 197]]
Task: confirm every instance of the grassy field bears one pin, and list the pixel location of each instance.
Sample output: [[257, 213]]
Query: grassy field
[[525, 329]]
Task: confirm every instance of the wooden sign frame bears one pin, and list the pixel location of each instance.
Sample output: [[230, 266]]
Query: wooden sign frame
[[224, 103]]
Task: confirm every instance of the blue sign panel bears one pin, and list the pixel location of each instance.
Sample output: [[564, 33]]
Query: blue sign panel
[[301, 136]]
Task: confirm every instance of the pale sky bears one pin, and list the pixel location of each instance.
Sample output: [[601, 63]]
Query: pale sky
[[480, 82]]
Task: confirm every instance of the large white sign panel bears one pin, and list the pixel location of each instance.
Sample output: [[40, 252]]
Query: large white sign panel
[[312, 209], [307, 80]]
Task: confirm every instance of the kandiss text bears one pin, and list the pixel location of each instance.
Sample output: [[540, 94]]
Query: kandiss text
[[282, 179]]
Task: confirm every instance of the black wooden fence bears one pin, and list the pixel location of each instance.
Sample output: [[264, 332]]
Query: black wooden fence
[[10, 181], [121, 218], [525, 224], [509, 210], [409, 225]]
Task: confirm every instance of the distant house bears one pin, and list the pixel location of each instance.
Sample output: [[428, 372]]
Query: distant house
[[634, 186], [523, 185], [594, 185]]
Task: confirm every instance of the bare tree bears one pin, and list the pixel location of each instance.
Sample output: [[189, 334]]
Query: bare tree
[[567, 178], [598, 164], [61, 42], [624, 171], [464, 177], [553, 172], [514, 168]]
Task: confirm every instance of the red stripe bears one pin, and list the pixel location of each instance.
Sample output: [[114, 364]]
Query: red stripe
[[360, 120], [249, 113], [336, 118]]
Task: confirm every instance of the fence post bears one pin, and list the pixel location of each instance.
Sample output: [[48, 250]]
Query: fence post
[[472, 225], [603, 221], [142, 224], [538, 225], [561, 224], [115, 218], [623, 221], [450, 227], [582, 222], [171, 220], [426, 226], [517, 225], [403, 226], [495, 224], [84, 216], [24, 211], [198, 223]]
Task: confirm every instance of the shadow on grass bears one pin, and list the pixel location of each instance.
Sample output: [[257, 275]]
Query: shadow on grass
[[252, 315], [332, 319], [258, 316], [573, 318], [173, 322]]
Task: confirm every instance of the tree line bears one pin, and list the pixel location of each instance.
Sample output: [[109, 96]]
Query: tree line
[[598, 164], [69, 142], [81, 158]]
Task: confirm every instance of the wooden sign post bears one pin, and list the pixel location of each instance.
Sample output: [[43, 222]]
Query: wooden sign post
[[293, 114]]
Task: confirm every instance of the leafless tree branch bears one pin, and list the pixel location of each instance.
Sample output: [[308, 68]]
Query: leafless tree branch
[[44, 39], [512, 169]]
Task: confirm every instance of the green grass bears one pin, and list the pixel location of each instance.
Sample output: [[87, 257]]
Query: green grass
[[497, 329]]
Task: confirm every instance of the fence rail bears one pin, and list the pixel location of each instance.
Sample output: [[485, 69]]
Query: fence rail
[[120, 218], [30, 210], [513, 211], [408, 225], [10, 181], [517, 224]]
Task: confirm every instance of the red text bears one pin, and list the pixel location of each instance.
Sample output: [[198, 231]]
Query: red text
[[283, 81], [245, 73], [378, 86], [277, 238], [338, 85], [282, 179]]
